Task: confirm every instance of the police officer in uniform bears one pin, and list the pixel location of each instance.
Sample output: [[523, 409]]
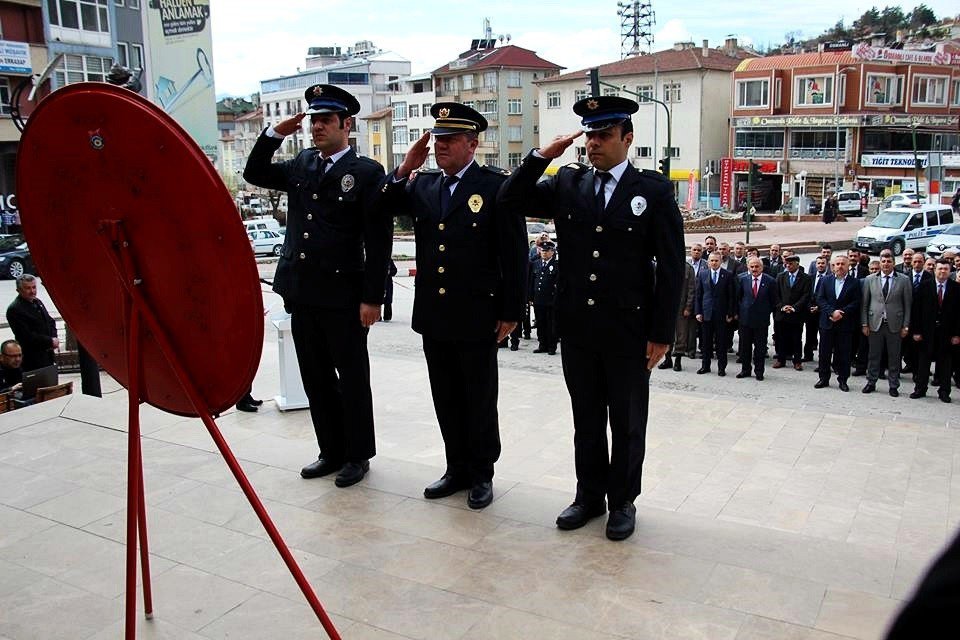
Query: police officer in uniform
[[331, 273], [469, 290], [616, 307], [543, 294]]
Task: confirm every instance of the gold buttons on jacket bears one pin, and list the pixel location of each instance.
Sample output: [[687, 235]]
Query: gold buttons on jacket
[[302, 256], [593, 277], [596, 254], [441, 226], [590, 302], [315, 196], [474, 224], [442, 248], [599, 229], [440, 269], [442, 291], [309, 216], [306, 235]]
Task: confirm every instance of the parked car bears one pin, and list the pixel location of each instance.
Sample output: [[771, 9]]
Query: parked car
[[911, 226], [851, 203], [901, 199], [805, 205], [949, 239], [266, 242], [15, 257], [264, 222]]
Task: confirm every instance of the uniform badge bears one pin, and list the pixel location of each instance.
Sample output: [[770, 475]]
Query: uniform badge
[[550, 268], [638, 205], [592, 104], [318, 91], [444, 112], [475, 203], [347, 182]]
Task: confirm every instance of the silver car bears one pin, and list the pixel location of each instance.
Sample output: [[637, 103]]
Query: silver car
[[266, 242], [948, 239]]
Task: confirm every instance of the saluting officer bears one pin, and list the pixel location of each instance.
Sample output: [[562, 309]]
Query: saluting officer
[[616, 307], [543, 294], [471, 256], [330, 274]]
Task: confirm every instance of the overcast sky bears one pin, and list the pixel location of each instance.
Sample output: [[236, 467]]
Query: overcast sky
[[254, 40]]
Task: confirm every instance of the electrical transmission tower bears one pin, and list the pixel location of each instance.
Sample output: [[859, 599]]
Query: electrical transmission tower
[[636, 26]]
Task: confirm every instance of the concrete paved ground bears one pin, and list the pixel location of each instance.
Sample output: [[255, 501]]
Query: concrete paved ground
[[770, 510]]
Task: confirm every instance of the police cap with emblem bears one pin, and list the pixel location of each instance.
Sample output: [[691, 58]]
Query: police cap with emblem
[[602, 112], [326, 98], [453, 117], [548, 246]]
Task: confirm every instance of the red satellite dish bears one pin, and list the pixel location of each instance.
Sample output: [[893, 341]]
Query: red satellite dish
[[93, 153]]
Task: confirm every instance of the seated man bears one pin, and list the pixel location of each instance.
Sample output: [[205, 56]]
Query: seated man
[[11, 373]]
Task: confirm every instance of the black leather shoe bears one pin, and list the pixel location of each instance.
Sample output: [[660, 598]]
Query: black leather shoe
[[577, 515], [721, 372], [319, 468], [821, 384], [676, 365], [859, 372], [743, 374], [552, 352], [894, 393], [760, 377], [622, 522], [869, 388], [481, 494], [539, 350], [514, 347], [843, 385], [945, 399], [703, 370], [917, 394], [666, 364], [249, 407], [352, 473], [445, 486], [256, 403]]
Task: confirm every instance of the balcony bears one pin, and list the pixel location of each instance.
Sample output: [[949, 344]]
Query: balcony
[[774, 153], [816, 154]]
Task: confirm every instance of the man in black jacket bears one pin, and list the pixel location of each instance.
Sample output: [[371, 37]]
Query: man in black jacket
[[936, 329], [471, 260], [11, 373], [839, 300], [32, 326], [616, 307], [794, 288], [330, 274], [543, 294]]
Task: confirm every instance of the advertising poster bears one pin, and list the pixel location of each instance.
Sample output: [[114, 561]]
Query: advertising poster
[[726, 181], [179, 54]]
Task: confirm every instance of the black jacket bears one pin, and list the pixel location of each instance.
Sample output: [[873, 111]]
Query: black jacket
[[798, 296], [337, 242], [623, 266], [543, 282], [471, 259], [34, 329], [714, 300], [927, 315]]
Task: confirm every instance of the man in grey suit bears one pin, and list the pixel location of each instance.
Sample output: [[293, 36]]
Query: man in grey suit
[[885, 320]]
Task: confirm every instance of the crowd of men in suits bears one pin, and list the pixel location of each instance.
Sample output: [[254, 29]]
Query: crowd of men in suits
[[863, 317]]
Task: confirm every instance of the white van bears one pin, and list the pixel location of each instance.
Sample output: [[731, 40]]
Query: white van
[[268, 223], [850, 203], [900, 227]]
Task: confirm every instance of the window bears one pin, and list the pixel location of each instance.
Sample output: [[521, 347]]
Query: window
[[514, 107], [930, 90], [471, 104], [946, 215], [818, 139], [414, 134], [4, 96], [644, 93], [414, 111], [955, 92], [487, 106], [750, 139], [399, 135], [467, 81], [671, 92], [134, 4], [119, 3], [932, 218], [399, 111], [375, 126], [123, 57], [814, 91], [644, 152], [611, 91], [753, 94], [86, 15], [449, 85], [778, 93], [491, 159], [513, 160], [426, 109], [553, 99], [490, 79], [580, 94], [883, 89], [513, 78], [672, 152], [492, 134], [266, 109], [136, 56], [514, 133], [82, 69]]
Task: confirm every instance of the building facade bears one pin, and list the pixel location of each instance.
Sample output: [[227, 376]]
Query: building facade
[[850, 120], [691, 81], [499, 83], [410, 117], [378, 135]]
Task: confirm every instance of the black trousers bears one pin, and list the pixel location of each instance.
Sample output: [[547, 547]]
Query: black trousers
[[463, 381], [753, 347], [606, 384], [812, 327], [715, 339], [788, 341], [331, 349], [546, 327], [835, 351], [939, 351]]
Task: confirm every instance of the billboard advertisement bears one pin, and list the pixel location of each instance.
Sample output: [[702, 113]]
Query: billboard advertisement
[[179, 46]]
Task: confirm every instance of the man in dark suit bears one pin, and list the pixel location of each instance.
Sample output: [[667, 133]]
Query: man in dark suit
[[543, 294], [471, 261], [826, 252], [918, 275], [696, 259], [729, 262], [773, 264], [936, 329], [330, 274], [818, 271], [793, 303], [11, 371], [713, 304], [885, 321], [756, 298], [32, 325], [622, 238], [906, 262], [859, 346], [839, 302]]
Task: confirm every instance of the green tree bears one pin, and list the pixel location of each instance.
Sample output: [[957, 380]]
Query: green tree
[[892, 19], [869, 22], [921, 16]]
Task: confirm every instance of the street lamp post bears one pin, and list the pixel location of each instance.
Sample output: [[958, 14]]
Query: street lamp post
[[802, 201], [916, 160]]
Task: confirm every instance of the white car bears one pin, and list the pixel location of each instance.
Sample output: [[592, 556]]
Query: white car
[[902, 199], [266, 242], [947, 240]]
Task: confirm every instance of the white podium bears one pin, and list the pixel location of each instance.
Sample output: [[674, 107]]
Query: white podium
[[292, 395]]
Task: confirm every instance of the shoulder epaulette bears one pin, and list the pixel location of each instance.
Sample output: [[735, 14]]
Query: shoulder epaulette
[[426, 172], [650, 173], [496, 170]]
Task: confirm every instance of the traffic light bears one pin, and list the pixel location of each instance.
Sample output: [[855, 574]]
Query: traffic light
[[665, 166], [594, 82], [754, 172]]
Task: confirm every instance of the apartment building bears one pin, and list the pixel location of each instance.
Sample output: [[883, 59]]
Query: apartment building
[[410, 117], [378, 135]]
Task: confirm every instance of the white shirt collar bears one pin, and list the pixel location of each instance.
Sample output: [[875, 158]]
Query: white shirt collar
[[615, 172], [339, 154], [460, 173]]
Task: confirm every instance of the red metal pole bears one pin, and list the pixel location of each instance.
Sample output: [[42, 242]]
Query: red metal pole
[[144, 549], [134, 471]]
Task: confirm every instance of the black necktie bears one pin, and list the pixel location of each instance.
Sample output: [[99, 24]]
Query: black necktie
[[916, 280], [448, 181], [325, 165], [602, 191], [886, 286]]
